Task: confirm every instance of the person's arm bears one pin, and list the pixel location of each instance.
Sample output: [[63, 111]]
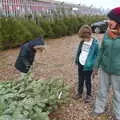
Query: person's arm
[[25, 61], [25, 56], [95, 70], [78, 53], [96, 50], [99, 57]]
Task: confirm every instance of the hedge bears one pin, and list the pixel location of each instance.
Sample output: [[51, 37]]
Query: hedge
[[16, 31]]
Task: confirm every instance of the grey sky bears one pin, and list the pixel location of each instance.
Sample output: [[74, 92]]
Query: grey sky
[[97, 3]]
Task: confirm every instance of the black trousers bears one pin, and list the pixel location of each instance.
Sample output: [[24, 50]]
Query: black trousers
[[84, 76]]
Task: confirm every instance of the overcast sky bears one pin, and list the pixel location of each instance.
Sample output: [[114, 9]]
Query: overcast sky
[[96, 3]]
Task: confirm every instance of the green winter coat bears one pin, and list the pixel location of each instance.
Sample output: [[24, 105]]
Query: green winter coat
[[109, 55]]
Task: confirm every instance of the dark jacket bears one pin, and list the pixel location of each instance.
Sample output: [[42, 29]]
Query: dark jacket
[[109, 56], [91, 55], [27, 54]]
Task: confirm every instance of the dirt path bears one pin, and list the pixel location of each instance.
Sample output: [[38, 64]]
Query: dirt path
[[57, 60]]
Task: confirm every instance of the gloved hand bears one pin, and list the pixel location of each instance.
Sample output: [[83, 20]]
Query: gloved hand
[[27, 66], [26, 63]]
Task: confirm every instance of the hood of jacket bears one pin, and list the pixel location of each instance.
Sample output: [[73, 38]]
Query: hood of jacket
[[35, 42]]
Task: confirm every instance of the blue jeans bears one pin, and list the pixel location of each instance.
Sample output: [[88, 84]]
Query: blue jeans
[[107, 81]]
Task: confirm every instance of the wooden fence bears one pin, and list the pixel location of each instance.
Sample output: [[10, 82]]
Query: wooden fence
[[25, 7], [22, 7]]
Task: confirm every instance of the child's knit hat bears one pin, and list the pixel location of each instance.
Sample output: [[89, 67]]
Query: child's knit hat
[[114, 14]]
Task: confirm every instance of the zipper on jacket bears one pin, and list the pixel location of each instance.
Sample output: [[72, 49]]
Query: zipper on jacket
[[93, 42]]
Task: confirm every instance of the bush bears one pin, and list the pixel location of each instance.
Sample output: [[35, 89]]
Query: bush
[[33, 28], [12, 33], [15, 32], [29, 99], [91, 19], [46, 26], [76, 24], [59, 28]]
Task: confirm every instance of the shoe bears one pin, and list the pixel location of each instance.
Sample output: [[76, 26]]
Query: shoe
[[88, 99], [77, 96]]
